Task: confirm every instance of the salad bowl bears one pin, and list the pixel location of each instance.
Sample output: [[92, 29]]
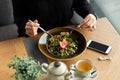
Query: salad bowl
[[75, 35]]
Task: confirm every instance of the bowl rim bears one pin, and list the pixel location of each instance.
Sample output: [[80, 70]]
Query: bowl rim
[[51, 56]]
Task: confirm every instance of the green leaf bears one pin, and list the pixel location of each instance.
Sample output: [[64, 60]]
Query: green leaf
[[25, 68]]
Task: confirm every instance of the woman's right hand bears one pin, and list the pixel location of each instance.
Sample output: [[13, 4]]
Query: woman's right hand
[[31, 28]]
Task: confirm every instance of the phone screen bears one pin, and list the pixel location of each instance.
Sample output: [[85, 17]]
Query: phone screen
[[99, 46]]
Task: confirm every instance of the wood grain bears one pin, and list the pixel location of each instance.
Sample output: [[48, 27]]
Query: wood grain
[[105, 33]]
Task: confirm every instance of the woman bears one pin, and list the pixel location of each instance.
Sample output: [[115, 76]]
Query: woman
[[50, 14]]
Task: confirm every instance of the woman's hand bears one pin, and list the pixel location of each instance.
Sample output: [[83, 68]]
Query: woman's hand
[[31, 28], [89, 22]]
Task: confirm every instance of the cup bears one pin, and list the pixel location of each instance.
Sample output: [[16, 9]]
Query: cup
[[84, 68]]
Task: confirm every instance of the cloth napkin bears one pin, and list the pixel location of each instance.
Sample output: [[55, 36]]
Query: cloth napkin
[[33, 51]]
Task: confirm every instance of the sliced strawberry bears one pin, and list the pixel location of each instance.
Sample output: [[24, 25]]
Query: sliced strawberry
[[63, 43]]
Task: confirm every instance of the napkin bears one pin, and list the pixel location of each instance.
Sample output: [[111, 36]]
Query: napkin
[[31, 45]]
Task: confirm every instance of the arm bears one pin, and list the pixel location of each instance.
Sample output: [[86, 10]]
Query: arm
[[21, 15], [21, 22], [83, 8]]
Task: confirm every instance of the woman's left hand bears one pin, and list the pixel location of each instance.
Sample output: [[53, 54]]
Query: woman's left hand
[[89, 22]]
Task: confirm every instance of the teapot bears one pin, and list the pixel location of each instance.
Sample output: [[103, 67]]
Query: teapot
[[56, 71]]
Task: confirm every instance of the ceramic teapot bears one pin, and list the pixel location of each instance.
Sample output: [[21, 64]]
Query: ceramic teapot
[[56, 71]]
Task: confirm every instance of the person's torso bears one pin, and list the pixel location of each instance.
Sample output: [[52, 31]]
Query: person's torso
[[48, 12]]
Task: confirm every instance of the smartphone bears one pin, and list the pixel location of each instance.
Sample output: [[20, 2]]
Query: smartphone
[[97, 46]]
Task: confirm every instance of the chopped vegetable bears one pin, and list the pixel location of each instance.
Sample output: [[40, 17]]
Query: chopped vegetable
[[62, 45]]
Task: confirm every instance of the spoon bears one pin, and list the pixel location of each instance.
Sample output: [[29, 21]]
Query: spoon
[[43, 29]]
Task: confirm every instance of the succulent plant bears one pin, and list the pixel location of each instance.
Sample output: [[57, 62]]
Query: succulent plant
[[25, 68]]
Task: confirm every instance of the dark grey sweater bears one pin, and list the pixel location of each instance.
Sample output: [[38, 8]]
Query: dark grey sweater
[[49, 13]]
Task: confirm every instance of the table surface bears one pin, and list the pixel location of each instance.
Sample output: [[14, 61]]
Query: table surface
[[105, 33]]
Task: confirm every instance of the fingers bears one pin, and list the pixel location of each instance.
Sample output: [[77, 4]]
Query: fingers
[[89, 23], [36, 24], [31, 33], [85, 20], [35, 21], [31, 27]]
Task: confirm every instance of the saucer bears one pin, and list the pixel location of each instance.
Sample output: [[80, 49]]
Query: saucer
[[93, 77]]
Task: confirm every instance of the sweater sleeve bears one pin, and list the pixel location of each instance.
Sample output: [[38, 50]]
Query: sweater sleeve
[[21, 13], [82, 7]]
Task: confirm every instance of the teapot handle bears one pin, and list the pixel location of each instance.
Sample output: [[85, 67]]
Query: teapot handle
[[72, 67], [68, 76], [44, 67]]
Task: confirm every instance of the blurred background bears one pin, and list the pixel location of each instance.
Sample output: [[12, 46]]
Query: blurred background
[[109, 9]]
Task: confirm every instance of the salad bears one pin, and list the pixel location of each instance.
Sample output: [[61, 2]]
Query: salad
[[62, 45]]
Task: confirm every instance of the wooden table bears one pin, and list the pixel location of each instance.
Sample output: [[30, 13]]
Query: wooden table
[[105, 33]]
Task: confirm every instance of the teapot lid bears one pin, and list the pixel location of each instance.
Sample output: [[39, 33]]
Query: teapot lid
[[57, 68]]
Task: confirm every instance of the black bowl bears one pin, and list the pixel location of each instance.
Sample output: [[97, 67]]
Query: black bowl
[[75, 35]]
